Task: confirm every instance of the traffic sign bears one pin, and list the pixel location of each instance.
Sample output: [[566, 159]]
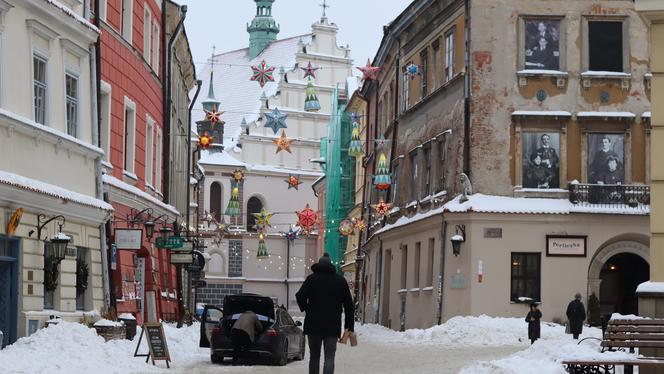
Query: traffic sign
[[172, 242]]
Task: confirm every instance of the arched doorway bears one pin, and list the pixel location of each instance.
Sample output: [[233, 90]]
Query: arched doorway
[[620, 276]]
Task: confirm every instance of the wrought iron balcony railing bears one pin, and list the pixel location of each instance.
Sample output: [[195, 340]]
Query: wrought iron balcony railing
[[609, 195]]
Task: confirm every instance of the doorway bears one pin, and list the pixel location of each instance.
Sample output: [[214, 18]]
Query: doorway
[[385, 297], [8, 289], [620, 276]]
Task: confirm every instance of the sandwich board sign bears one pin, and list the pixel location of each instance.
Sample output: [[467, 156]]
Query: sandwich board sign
[[158, 349]]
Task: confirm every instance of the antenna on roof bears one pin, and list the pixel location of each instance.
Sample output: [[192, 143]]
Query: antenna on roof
[[324, 6]]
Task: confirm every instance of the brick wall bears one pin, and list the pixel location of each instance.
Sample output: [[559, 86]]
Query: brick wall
[[235, 258], [214, 293]]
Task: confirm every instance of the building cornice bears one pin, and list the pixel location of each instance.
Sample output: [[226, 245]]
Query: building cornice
[[60, 16]]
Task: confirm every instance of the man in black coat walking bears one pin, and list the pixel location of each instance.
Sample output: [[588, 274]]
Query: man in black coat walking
[[576, 314], [321, 297]]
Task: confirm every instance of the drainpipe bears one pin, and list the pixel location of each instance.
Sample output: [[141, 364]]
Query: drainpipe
[[397, 75], [166, 93], [379, 275], [95, 75], [466, 93], [190, 158], [441, 277], [287, 273]]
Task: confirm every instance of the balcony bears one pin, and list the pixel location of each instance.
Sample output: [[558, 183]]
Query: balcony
[[610, 195]]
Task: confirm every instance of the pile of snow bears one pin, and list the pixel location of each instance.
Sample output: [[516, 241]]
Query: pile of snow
[[466, 331], [73, 348], [547, 354], [106, 323], [127, 316]]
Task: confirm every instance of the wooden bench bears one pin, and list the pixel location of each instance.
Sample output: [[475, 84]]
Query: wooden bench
[[624, 334]]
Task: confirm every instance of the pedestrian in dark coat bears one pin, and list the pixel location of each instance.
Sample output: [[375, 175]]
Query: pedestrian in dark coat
[[244, 332], [321, 297], [576, 314], [533, 318]]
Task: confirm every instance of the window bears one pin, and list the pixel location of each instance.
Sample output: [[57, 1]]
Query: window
[[39, 86], [254, 205], [605, 46], [49, 266], [155, 47], [449, 55], [216, 206], [430, 255], [105, 119], [102, 9], [129, 135], [525, 280], [149, 150], [147, 38], [416, 263], [81, 264], [71, 106], [405, 93], [442, 156], [414, 175], [426, 185], [158, 158], [434, 63], [404, 267], [542, 44], [127, 19], [424, 60]]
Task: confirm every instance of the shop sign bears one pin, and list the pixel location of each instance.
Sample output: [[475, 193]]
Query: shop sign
[[131, 239], [182, 258], [173, 242], [566, 245]]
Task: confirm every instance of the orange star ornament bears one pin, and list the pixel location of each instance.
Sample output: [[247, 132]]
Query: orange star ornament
[[283, 143]]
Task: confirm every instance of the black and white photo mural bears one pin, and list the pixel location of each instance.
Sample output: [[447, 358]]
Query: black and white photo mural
[[540, 159], [606, 158], [542, 44]]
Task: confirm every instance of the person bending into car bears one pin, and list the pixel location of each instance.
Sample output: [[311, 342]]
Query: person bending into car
[[321, 297], [243, 334]]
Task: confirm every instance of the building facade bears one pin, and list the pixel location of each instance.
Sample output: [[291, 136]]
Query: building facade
[[50, 167], [545, 131], [249, 146], [133, 138]]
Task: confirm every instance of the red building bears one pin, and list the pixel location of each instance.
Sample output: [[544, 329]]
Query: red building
[[132, 134]]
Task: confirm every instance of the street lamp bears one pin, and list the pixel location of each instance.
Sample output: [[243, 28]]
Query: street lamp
[[59, 240], [149, 229], [458, 238]]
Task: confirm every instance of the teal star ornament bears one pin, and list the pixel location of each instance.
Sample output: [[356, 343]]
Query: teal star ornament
[[276, 120]]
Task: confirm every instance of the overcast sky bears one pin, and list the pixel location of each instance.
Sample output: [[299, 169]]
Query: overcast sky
[[223, 23]]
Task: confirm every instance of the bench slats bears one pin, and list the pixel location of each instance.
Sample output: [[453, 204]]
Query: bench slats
[[634, 336], [635, 362], [633, 344], [653, 322], [625, 328]]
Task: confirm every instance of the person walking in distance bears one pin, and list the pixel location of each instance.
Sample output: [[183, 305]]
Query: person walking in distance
[[321, 297], [576, 314], [533, 318]]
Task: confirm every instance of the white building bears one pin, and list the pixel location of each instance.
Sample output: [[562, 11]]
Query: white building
[[249, 146], [49, 164]]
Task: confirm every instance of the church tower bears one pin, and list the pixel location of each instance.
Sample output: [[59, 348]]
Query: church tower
[[263, 29]]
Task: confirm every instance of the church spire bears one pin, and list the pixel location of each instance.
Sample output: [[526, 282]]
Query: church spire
[[211, 103], [263, 29]]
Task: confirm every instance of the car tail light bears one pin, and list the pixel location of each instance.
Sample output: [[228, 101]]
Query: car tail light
[[216, 331], [271, 332]]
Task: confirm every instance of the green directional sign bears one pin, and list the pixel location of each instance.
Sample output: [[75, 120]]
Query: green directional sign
[[172, 242]]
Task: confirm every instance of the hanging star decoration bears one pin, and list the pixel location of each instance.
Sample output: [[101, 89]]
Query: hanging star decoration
[[261, 252], [369, 72], [293, 181], [381, 142], [262, 73], [355, 117], [283, 143], [413, 70], [263, 220], [292, 234], [238, 176], [346, 227], [276, 120], [382, 208], [214, 117], [359, 224], [307, 218], [205, 140], [310, 71]]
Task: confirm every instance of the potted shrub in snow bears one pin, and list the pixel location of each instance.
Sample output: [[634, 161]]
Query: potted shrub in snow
[[110, 330]]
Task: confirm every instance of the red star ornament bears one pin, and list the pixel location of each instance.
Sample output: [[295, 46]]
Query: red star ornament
[[293, 181], [310, 71], [307, 218], [262, 73], [214, 116], [205, 141], [369, 72], [382, 208]]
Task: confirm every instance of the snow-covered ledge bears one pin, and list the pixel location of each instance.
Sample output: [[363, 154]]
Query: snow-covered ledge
[[523, 75], [650, 287], [651, 299], [588, 76]]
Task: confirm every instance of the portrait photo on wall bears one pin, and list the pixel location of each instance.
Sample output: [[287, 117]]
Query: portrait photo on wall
[[540, 159], [606, 158], [542, 44]]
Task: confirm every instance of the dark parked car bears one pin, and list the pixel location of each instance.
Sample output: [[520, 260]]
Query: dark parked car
[[281, 339]]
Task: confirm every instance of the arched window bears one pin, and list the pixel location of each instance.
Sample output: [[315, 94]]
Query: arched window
[[216, 207], [254, 205], [216, 264]]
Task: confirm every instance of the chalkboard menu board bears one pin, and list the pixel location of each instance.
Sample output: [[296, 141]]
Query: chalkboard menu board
[[154, 334]]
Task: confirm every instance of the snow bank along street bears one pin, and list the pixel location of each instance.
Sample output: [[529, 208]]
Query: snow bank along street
[[463, 344]]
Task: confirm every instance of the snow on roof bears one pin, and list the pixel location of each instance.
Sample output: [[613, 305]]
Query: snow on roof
[[650, 287], [51, 190], [403, 221], [542, 113], [646, 114], [607, 114], [239, 96], [520, 205], [222, 158], [65, 9], [111, 180], [275, 169]]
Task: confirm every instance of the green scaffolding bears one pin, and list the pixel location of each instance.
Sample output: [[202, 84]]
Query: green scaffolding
[[340, 177]]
